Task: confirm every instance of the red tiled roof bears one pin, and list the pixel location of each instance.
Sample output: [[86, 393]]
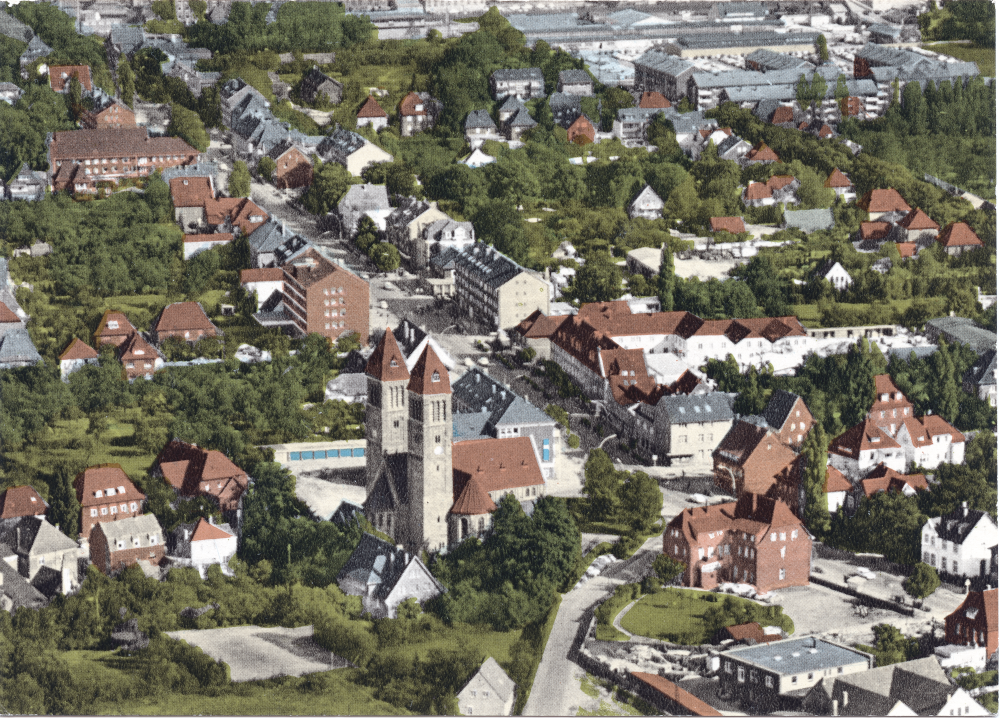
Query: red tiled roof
[[473, 500], [192, 470], [884, 478], [101, 478], [264, 274], [59, 76], [429, 375], [221, 237], [757, 190], [875, 230], [104, 333], [408, 106], [936, 426], [182, 316], [836, 481], [115, 142], [825, 131], [753, 514], [762, 153], [733, 225], [751, 632], [135, 347], [778, 181], [837, 179], [191, 191], [865, 436], [77, 349], [692, 704], [907, 249], [386, 362], [21, 501], [310, 267], [885, 385], [959, 234], [581, 126], [371, 108], [540, 326], [239, 210], [496, 464], [206, 531], [782, 115], [7, 316], [883, 200], [653, 99], [916, 219]]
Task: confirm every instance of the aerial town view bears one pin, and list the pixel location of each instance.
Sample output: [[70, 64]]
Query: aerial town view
[[498, 357]]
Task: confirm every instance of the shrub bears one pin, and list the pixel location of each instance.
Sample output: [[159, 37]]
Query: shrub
[[573, 441]]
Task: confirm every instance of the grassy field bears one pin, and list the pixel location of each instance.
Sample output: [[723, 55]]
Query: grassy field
[[985, 57], [329, 693], [492, 643]]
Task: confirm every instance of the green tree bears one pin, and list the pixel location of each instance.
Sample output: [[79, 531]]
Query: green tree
[[187, 125], [821, 49], [64, 509], [601, 486], [126, 80], [817, 89], [367, 234], [667, 568], [598, 280], [864, 361], [814, 455], [841, 91], [641, 501], [75, 97], [385, 256], [944, 391], [239, 180], [922, 582], [266, 168], [665, 281], [164, 9], [330, 182], [803, 93], [198, 8]]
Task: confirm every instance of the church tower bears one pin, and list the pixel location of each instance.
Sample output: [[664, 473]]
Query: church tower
[[385, 408], [429, 477]]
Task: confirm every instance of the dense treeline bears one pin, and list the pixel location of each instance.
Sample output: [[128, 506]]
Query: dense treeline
[[968, 20]]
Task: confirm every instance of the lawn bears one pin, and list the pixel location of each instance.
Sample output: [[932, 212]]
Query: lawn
[[492, 643], [328, 693], [678, 615], [985, 57]]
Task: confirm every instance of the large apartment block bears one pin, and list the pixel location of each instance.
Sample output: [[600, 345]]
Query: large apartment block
[[495, 289]]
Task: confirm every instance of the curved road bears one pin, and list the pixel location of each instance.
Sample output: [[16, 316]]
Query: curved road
[[556, 690]]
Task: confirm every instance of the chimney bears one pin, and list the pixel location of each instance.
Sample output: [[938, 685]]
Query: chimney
[[834, 710], [211, 520], [187, 535], [965, 508], [845, 696]]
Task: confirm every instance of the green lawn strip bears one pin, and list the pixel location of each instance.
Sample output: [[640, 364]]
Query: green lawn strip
[[492, 643], [536, 657], [607, 611], [985, 57]]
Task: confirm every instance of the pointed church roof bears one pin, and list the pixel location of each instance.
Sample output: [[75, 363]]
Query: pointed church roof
[[473, 500], [429, 375], [386, 362]]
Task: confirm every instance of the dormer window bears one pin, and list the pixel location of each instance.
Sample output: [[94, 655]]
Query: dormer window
[[121, 489], [152, 539], [393, 363], [113, 324], [98, 494], [140, 352], [110, 492], [435, 376]]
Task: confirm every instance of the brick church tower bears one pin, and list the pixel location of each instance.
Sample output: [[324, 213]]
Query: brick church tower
[[385, 409]]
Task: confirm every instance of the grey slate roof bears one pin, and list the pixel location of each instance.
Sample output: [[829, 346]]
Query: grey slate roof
[[810, 654], [522, 74], [779, 407], [745, 78], [984, 371], [445, 260], [764, 110], [728, 143], [511, 104], [479, 119], [141, 527], [267, 237], [347, 512], [341, 140], [497, 401], [747, 39], [521, 118], [469, 426], [663, 62], [36, 49], [771, 60], [198, 169], [392, 481], [127, 38], [887, 30], [920, 684], [965, 331], [13, 28], [379, 564], [809, 220], [16, 348], [957, 525], [365, 198], [488, 264], [17, 588], [686, 409], [38, 536], [575, 77]]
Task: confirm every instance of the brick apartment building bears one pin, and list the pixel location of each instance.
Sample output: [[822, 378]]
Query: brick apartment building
[[756, 540], [752, 458], [293, 168], [116, 546], [105, 493], [79, 159], [318, 296]]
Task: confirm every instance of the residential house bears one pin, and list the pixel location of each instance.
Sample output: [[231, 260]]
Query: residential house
[[139, 358], [418, 111], [733, 148], [235, 215], [524, 84], [16, 592], [198, 243], [959, 543], [118, 545], [837, 488], [371, 114], [201, 544], [879, 202], [662, 72], [761, 153], [76, 356], [106, 112], [406, 225], [105, 494], [653, 100], [958, 238], [17, 350], [974, 623], [316, 85], [918, 687], [751, 458], [575, 82], [835, 274], [386, 576], [292, 166], [363, 200], [779, 189], [930, 441], [263, 282], [266, 240], [349, 388], [45, 556], [19, 502], [351, 150], [27, 185], [60, 75], [756, 541], [191, 196], [647, 205], [186, 71], [36, 51], [883, 479], [485, 408], [862, 447], [788, 417], [192, 471], [733, 225], [490, 691], [184, 320], [114, 328], [79, 159], [962, 330], [841, 185], [514, 118], [495, 289], [536, 331], [981, 378], [318, 296], [565, 107], [445, 234], [479, 127], [688, 429], [581, 131], [645, 261], [916, 226], [235, 93]]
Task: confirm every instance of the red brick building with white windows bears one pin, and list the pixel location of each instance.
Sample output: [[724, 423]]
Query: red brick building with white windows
[[292, 167], [118, 545], [109, 114], [114, 328], [756, 540], [974, 623], [105, 493]]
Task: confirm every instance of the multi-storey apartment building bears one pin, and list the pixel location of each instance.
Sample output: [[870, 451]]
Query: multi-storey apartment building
[[495, 289], [524, 83]]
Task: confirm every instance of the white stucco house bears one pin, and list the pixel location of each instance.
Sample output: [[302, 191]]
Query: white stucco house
[[929, 441], [490, 692], [959, 543]]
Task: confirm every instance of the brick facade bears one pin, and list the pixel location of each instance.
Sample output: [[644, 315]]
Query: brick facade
[[293, 170]]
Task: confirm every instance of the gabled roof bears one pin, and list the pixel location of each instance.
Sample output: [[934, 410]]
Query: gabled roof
[[479, 119], [16, 347], [757, 191], [77, 349], [139, 527], [497, 464], [101, 478], [751, 632], [836, 481], [980, 603], [906, 249], [958, 524], [17, 588], [865, 436], [984, 371], [494, 675], [733, 225], [874, 230], [7, 316], [575, 77], [37, 536], [379, 565], [810, 220], [916, 219], [408, 105], [779, 407], [884, 478], [583, 125], [520, 74], [647, 195], [959, 234], [837, 179], [521, 118], [429, 375], [782, 114], [182, 316], [883, 200], [386, 362], [696, 408], [762, 153], [653, 99], [135, 347], [21, 501], [59, 76], [371, 108], [205, 531], [114, 142], [473, 499]]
